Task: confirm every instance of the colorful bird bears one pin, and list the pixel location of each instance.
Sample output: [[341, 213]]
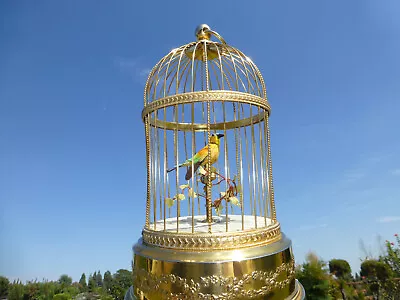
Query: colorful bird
[[201, 157]]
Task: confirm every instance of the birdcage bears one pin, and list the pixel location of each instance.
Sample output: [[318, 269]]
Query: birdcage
[[211, 230]]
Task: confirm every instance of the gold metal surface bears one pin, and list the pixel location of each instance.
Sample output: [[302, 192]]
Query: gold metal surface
[[202, 96], [265, 272], [212, 241]]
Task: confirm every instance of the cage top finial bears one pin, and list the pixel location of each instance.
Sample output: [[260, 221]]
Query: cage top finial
[[204, 32]]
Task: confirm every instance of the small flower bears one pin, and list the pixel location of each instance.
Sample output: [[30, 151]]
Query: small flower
[[191, 193], [218, 210], [169, 202], [392, 244], [180, 197], [222, 194], [396, 235], [234, 201], [183, 186], [201, 170]]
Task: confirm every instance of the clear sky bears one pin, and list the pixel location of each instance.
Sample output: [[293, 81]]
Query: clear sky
[[72, 156]]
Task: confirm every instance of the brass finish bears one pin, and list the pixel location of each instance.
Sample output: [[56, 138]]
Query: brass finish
[[202, 90], [265, 272], [215, 96], [212, 241]]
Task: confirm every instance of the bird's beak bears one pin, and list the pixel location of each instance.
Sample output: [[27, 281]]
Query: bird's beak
[[220, 135]]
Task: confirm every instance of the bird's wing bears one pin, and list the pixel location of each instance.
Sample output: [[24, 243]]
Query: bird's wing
[[197, 159], [201, 155]]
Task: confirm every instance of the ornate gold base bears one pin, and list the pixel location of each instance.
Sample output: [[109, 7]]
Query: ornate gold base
[[263, 272]]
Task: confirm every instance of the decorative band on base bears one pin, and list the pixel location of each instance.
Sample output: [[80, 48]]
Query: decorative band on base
[[264, 273]]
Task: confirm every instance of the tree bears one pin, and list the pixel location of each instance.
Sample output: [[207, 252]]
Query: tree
[[392, 257], [91, 283], [82, 282], [107, 281], [340, 268], [65, 280], [314, 277], [122, 280], [375, 270], [48, 289], [16, 291], [4, 285], [99, 279], [377, 274]]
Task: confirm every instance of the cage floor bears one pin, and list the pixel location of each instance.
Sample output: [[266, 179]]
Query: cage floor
[[218, 225]]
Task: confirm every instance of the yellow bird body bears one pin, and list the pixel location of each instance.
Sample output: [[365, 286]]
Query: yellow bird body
[[201, 157]]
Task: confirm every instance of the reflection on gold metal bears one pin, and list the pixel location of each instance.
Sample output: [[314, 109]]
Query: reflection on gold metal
[[240, 275], [213, 234], [212, 242]]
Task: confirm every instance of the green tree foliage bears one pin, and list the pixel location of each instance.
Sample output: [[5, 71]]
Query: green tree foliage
[[314, 277], [375, 270], [91, 283], [107, 281], [342, 271], [4, 285], [340, 268], [99, 279], [122, 280], [83, 283], [47, 290], [392, 257], [63, 296], [65, 280], [16, 291]]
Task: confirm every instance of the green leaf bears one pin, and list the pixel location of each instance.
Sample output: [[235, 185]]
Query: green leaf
[[218, 209], [234, 201], [169, 202], [180, 197], [191, 193], [201, 170]]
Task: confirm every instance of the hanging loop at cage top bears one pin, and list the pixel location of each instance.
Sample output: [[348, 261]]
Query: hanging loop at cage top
[[204, 32]]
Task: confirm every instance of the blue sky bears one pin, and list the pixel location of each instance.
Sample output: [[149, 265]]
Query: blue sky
[[72, 170]]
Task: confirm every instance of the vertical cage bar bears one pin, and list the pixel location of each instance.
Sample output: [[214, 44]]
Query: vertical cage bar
[[227, 176], [253, 166], [176, 152], [238, 169], [260, 190], [147, 138], [241, 168], [154, 172], [268, 198], [165, 177], [193, 149], [209, 183], [248, 166], [261, 113], [271, 185]]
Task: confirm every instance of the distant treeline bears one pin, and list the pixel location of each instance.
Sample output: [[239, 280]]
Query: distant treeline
[[96, 286]]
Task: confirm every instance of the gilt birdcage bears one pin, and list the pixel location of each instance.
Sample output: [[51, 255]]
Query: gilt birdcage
[[211, 230]]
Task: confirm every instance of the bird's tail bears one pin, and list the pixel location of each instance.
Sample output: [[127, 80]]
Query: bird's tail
[[189, 170], [170, 170]]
